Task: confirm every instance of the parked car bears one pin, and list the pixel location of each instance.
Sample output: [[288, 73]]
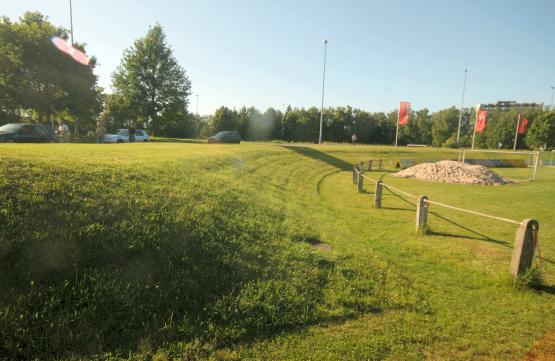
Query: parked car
[[122, 136], [27, 133], [225, 137]]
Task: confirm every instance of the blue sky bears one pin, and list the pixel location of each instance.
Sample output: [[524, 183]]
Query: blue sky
[[267, 53]]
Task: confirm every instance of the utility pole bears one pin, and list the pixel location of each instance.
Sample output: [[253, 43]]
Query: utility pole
[[462, 105], [71, 21], [323, 88], [552, 96], [71, 34], [282, 119], [198, 119]]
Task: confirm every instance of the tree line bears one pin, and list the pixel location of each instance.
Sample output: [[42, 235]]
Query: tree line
[[340, 123], [150, 90]]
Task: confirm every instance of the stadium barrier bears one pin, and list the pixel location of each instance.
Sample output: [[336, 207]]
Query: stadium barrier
[[526, 240]]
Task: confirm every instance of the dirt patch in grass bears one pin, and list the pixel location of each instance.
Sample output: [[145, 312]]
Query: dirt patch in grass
[[321, 246], [544, 350]]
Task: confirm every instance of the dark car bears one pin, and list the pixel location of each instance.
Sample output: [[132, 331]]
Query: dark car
[[225, 137], [26, 133]]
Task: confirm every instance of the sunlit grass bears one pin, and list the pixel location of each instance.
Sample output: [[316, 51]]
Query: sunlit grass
[[226, 232]]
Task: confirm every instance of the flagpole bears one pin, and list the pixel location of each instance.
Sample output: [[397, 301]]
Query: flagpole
[[473, 135], [516, 131], [397, 132]]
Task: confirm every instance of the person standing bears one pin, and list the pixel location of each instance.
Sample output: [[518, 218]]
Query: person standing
[[131, 132], [63, 132], [100, 130], [354, 139]]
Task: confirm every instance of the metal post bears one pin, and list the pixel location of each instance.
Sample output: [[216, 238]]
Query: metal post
[[421, 213], [397, 131], [378, 195], [525, 244], [323, 88], [197, 120], [71, 21], [360, 182], [71, 30], [516, 131], [552, 96], [536, 161], [462, 105], [551, 160]]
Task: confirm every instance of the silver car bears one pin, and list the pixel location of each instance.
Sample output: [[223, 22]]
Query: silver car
[[122, 136]]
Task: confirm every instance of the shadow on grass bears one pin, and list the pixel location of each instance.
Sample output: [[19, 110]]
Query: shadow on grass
[[177, 140], [481, 237], [544, 288], [320, 156]]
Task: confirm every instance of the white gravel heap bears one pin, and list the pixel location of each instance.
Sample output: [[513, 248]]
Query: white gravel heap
[[449, 171]]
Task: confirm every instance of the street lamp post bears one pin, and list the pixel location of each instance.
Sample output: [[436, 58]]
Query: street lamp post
[[282, 119], [552, 96], [71, 33], [462, 105], [323, 87], [197, 120], [71, 21]]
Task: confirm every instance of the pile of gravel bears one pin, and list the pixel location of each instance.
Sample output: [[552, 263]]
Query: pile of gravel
[[449, 171]]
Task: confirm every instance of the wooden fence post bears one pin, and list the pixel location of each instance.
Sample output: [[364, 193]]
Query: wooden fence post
[[421, 213], [369, 165], [355, 174], [525, 244], [360, 183], [378, 195], [379, 164]]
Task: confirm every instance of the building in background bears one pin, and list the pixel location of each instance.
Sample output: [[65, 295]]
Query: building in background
[[503, 105]]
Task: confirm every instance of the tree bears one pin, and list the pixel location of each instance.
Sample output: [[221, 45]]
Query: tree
[[444, 125], [224, 119], [153, 86], [39, 82], [542, 132]]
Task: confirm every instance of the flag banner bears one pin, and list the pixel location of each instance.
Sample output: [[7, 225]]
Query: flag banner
[[404, 111], [522, 124], [481, 121], [66, 47]]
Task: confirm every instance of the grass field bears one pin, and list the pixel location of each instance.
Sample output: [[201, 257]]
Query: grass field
[[195, 251]]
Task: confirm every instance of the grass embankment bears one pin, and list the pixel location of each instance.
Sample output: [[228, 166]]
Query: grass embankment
[[191, 250]]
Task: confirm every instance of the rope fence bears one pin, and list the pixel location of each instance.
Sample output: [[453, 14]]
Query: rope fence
[[526, 241]]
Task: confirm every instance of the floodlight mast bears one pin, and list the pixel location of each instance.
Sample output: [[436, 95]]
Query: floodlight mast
[[325, 42]]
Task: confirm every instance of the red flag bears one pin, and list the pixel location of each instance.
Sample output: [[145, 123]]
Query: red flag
[[66, 47], [522, 124], [404, 111], [481, 121]]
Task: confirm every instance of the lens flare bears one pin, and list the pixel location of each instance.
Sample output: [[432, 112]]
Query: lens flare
[[66, 47]]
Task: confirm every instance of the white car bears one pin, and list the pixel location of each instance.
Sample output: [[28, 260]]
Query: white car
[[122, 136]]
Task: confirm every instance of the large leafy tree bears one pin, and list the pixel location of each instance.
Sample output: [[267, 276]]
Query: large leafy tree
[[152, 85], [542, 132], [37, 81]]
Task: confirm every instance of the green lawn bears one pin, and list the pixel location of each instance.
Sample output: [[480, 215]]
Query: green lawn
[[259, 251]]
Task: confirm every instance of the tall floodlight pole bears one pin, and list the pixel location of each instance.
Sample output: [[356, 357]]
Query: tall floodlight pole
[[323, 87], [71, 30], [282, 118], [462, 105], [552, 96], [71, 21], [198, 119]]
